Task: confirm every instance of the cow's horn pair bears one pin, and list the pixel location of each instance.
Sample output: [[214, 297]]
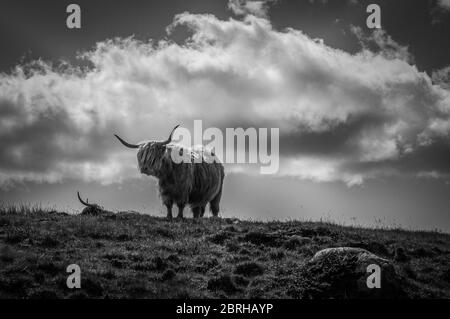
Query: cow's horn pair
[[129, 145]]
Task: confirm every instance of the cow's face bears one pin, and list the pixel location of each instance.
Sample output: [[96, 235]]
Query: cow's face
[[149, 154], [149, 157]]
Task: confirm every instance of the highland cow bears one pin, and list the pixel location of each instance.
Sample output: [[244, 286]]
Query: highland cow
[[92, 209], [195, 183]]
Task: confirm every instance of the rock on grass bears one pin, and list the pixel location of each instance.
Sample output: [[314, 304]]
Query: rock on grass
[[341, 272]]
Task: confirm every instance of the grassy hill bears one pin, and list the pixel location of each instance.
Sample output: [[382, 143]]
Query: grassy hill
[[128, 255]]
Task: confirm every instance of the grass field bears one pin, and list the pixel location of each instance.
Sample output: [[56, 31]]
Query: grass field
[[129, 255]]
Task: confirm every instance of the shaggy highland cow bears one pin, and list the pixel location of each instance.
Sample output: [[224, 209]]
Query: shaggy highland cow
[[187, 183]]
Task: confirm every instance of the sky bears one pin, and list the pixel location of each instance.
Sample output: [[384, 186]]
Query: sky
[[363, 114]]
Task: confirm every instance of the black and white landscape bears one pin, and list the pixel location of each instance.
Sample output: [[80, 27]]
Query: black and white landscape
[[346, 102]]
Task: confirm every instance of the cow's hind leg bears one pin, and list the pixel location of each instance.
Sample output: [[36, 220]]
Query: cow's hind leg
[[169, 205], [214, 204], [202, 211], [196, 211]]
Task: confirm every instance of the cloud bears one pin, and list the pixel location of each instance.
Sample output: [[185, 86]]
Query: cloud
[[381, 42], [442, 77], [444, 4], [440, 11], [342, 117], [257, 8]]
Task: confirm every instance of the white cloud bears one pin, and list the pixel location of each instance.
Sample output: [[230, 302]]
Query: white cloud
[[341, 116], [380, 41], [442, 77], [444, 4]]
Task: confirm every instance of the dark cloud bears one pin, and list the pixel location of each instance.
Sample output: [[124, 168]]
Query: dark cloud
[[338, 141]]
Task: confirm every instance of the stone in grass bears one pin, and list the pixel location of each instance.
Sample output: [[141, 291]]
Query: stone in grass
[[344, 272]]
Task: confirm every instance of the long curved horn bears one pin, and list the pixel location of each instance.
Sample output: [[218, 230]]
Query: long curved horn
[[83, 202], [170, 136], [126, 143]]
